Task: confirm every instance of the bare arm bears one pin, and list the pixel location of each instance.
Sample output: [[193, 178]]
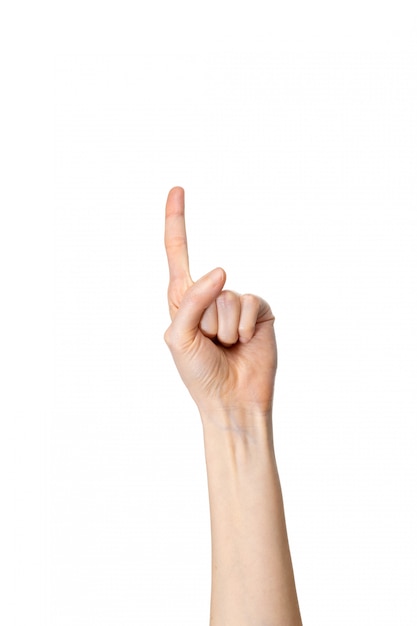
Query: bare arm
[[224, 347], [252, 575]]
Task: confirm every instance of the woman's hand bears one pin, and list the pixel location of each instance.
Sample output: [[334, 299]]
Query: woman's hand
[[223, 343]]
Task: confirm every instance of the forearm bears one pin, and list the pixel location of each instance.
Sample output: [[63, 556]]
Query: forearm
[[252, 575]]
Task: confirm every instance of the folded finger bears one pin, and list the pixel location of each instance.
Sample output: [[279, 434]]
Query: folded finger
[[228, 315], [249, 309], [208, 322], [253, 310]]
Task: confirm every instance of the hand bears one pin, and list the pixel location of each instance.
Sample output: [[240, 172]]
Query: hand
[[223, 343]]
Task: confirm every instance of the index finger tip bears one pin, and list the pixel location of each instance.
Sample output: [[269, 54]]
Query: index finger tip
[[176, 193], [175, 202]]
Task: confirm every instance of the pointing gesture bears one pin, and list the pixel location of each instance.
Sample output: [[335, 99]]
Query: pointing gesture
[[223, 343]]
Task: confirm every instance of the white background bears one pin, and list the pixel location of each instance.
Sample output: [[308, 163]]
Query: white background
[[293, 129]]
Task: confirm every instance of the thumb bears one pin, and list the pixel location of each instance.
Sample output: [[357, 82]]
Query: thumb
[[195, 301]]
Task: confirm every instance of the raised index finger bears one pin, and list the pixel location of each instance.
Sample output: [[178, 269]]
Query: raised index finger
[[176, 236]]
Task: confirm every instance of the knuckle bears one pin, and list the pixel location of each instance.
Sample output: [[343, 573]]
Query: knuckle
[[226, 297], [250, 298]]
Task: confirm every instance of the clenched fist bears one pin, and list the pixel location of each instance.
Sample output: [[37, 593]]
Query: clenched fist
[[223, 343]]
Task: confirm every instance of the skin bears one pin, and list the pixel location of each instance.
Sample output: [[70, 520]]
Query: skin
[[223, 345]]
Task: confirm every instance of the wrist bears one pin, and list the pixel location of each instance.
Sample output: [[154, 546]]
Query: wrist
[[238, 432]]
